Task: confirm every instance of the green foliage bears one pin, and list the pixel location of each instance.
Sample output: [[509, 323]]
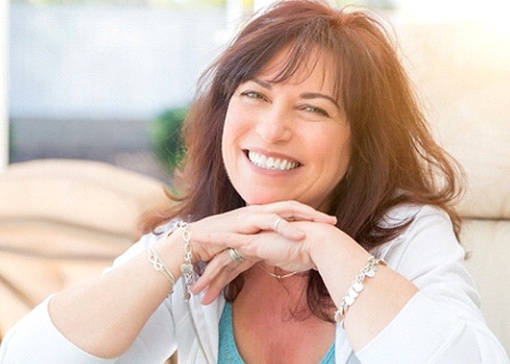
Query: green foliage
[[166, 138]]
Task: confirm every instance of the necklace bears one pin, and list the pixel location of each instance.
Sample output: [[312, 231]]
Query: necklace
[[277, 276]]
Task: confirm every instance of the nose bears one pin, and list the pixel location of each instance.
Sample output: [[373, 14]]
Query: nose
[[275, 125]]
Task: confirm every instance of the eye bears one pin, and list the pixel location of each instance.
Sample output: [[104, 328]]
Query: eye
[[253, 95], [315, 110]]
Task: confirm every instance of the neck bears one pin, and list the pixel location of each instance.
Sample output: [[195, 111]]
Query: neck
[[276, 272]]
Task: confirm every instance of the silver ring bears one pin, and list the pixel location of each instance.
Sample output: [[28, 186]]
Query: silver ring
[[276, 223], [234, 255]]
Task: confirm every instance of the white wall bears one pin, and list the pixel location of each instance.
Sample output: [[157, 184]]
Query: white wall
[[94, 61]]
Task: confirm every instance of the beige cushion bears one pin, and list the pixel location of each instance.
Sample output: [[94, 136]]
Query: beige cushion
[[62, 221], [480, 140], [462, 72], [84, 193]]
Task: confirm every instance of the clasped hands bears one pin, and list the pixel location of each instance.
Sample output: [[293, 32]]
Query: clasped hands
[[280, 234]]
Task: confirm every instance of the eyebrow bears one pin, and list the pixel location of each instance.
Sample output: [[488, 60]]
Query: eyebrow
[[306, 95], [314, 95]]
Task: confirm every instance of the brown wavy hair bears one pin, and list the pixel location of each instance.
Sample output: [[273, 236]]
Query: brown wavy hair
[[394, 158]]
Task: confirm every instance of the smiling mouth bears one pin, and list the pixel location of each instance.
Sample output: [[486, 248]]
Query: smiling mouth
[[263, 161]]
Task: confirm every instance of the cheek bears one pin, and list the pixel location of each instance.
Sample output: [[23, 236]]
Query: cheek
[[228, 135], [338, 158], [225, 143], [237, 124], [344, 155], [231, 133]]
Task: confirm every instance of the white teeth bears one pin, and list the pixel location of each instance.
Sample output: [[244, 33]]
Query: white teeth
[[260, 160], [270, 163]]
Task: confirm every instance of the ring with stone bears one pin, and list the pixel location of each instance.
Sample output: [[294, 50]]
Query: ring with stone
[[234, 255]]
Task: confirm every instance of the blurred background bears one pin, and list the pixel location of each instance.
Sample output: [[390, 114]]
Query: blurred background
[[106, 79]]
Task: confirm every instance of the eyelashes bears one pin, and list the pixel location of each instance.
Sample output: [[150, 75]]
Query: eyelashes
[[316, 110], [253, 95]]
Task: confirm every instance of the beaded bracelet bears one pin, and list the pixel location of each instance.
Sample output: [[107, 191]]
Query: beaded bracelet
[[356, 287], [159, 266]]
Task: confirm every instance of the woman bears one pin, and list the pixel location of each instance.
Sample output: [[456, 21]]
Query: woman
[[318, 214]]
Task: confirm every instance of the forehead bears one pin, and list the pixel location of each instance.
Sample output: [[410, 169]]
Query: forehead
[[287, 66]]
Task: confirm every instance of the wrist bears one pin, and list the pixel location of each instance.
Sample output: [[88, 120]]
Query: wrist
[[171, 251], [335, 247], [338, 260], [356, 287], [187, 266]]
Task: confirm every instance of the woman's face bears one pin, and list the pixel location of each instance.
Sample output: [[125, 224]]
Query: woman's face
[[286, 141]]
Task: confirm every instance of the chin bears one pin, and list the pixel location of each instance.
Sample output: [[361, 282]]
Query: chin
[[262, 199]]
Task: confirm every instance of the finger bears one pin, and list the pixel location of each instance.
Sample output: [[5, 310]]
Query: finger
[[268, 245], [215, 284], [219, 241], [284, 228], [214, 267], [287, 229], [265, 220], [293, 210], [222, 280]]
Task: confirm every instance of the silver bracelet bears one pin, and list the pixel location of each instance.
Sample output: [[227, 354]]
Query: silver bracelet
[[187, 266], [159, 266], [356, 287]]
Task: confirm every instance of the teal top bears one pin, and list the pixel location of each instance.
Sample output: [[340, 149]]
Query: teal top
[[228, 353]]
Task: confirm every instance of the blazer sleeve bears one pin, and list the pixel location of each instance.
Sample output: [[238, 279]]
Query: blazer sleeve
[[442, 323], [35, 339]]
